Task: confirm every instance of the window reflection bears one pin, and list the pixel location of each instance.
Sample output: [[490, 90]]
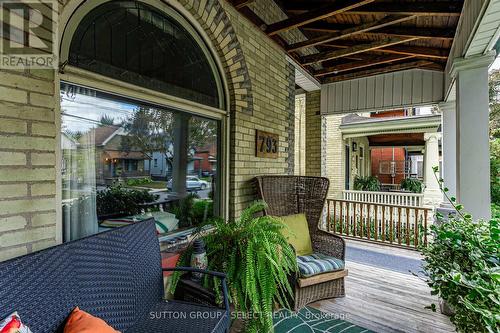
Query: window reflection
[[124, 161]]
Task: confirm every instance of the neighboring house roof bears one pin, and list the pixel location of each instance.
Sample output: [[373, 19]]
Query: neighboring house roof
[[354, 125], [100, 135]]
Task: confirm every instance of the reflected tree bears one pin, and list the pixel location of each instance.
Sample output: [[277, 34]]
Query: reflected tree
[[152, 130]]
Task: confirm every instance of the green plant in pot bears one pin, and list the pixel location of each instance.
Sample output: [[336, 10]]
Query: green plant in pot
[[368, 183], [258, 261], [463, 267], [412, 185]]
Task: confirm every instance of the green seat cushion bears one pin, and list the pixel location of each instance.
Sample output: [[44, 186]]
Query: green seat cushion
[[317, 263], [297, 233]]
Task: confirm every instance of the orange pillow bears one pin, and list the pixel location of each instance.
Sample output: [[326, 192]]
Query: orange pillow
[[80, 321]]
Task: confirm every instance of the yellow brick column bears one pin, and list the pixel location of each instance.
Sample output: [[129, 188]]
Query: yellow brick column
[[313, 134], [27, 162]]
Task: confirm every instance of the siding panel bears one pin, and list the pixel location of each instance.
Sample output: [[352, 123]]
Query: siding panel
[[383, 92]]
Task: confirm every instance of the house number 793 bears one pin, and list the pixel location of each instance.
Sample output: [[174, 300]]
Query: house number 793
[[266, 144]]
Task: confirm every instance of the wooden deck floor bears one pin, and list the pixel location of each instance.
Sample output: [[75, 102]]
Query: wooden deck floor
[[386, 301]]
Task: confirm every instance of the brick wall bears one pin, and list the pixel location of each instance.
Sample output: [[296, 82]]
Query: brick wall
[[262, 90], [27, 160], [313, 134], [273, 90]]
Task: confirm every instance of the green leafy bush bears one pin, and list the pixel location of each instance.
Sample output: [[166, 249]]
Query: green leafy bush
[[257, 260], [463, 268], [139, 181], [118, 200], [183, 210], [368, 183], [203, 210], [412, 184], [495, 170]]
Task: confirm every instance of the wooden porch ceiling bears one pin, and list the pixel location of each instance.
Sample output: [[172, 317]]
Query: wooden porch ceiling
[[346, 39], [396, 140]]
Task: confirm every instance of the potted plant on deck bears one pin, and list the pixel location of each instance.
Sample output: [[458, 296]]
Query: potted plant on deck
[[463, 268], [258, 262]]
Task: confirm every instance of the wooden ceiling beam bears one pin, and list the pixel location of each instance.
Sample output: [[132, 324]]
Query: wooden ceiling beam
[[386, 21], [238, 4], [433, 33], [448, 8], [361, 48], [387, 69], [314, 15], [418, 51], [373, 61]]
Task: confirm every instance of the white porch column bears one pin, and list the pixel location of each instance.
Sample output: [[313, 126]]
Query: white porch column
[[449, 143], [472, 126], [432, 193], [179, 172]]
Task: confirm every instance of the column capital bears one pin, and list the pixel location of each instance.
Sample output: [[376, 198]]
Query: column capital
[[432, 136], [460, 64]]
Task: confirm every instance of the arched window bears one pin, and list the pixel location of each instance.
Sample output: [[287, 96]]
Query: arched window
[[138, 44], [126, 150]]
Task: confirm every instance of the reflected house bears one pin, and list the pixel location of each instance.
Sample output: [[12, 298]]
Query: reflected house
[[113, 162], [205, 163], [161, 166]]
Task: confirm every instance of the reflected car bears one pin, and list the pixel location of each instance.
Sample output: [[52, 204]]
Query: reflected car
[[192, 184]]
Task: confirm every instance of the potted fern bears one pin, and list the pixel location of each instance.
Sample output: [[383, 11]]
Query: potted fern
[[257, 260], [413, 185]]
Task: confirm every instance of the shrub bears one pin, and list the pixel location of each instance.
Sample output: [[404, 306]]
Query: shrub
[[463, 268], [183, 210], [495, 171], [118, 200], [368, 183], [203, 210], [412, 184], [139, 181]]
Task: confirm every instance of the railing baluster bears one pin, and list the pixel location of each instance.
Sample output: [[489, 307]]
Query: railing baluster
[[335, 216], [391, 211], [399, 225], [415, 226], [362, 221], [375, 220], [341, 215], [383, 223], [348, 222], [369, 222], [407, 226]]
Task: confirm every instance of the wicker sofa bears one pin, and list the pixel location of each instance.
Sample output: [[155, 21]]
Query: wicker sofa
[[115, 275], [287, 195]]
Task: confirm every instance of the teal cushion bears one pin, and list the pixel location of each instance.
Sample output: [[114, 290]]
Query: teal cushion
[[318, 263]]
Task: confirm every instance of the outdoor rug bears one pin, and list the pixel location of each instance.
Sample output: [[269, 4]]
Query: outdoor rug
[[310, 320]]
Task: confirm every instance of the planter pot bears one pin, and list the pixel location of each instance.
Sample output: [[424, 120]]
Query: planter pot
[[445, 308]]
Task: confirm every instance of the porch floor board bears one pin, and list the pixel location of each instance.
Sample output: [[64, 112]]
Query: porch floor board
[[383, 300]]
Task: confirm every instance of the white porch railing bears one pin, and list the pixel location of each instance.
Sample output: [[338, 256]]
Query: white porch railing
[[385, 198], [394, 225]]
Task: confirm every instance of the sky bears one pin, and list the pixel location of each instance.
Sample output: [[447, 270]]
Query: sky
[[82, 112]]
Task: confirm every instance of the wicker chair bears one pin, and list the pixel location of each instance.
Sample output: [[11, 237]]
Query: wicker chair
[[287, 195]]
